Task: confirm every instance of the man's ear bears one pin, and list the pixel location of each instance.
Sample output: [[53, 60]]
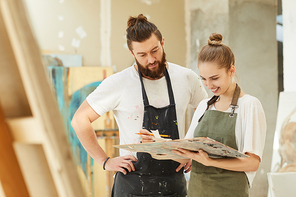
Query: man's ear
[[162, 42], [131, 52]]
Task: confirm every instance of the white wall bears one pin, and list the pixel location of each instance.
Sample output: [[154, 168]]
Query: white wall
[[54, 24], [105, 22], [289, 44]]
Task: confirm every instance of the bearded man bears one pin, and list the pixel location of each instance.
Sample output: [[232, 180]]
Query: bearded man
[[152, 94]]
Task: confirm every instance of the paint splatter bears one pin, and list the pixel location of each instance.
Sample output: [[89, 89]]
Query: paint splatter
[[136, 114]]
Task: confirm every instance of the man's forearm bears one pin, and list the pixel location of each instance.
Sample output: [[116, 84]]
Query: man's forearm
[[88, 139]]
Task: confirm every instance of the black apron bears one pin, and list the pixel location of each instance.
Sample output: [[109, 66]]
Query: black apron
[[154, 177]]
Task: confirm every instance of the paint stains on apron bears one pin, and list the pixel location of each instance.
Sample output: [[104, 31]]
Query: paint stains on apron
[[154, 177]]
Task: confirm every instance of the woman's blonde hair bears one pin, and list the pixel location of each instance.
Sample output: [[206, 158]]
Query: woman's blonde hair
[[216, 51]]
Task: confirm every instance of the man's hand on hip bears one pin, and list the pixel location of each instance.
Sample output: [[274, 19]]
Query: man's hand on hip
[[121, 164]]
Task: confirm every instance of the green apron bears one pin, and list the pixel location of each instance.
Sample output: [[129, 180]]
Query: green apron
[[207, 181]]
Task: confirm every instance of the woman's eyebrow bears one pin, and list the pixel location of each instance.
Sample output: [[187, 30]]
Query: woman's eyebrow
[[210, 76]]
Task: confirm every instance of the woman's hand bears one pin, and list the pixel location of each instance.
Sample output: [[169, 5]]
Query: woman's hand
[[246, 164], [146, 137], [200, 156], [186, 163]]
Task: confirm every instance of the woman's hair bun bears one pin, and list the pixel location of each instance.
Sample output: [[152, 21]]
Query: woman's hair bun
[[215, 39], [133, 20]]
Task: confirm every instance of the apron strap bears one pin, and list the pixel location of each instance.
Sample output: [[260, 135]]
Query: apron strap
[[145, 98], [233, 104], [209, 103], [169, 85], [170, 89], [235, 97]]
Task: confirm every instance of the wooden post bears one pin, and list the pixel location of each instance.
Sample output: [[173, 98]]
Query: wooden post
[[36, 114], [11, 177]]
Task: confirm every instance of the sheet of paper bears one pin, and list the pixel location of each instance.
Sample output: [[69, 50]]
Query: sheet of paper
[[158, 138], [61, 17], [80, 31], [61, 47], [75, 42], [61, 34]]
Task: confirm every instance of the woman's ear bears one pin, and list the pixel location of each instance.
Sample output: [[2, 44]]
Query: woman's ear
[[232, 70]]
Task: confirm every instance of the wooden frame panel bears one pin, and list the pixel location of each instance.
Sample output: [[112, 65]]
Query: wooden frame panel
[[10, 173], [37, 125]]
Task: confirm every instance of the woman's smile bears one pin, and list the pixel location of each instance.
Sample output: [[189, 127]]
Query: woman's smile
[[215, 90]]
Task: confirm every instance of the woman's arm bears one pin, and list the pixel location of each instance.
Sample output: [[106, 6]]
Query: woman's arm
[[235, 164]]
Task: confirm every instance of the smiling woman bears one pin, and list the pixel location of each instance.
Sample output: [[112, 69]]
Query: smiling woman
[[216, 67], [230, 117]]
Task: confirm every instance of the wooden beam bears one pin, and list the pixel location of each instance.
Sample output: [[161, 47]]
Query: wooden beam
[[1, 191], [11, 176], [36, 169], [13, 97], [43, 106], [26, 130]]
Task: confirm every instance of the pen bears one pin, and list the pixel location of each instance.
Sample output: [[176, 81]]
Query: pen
[[153, 135]]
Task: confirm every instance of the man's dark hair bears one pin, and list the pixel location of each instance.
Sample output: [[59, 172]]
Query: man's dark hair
[[140, 29]]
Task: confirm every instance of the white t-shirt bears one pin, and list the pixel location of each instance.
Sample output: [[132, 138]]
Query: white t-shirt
[[122, 93], [250, 128]]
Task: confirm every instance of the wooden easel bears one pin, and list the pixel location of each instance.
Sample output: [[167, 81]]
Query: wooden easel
[[35, 156]]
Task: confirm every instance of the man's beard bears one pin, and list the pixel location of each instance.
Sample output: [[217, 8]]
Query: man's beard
[[153, 74]]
